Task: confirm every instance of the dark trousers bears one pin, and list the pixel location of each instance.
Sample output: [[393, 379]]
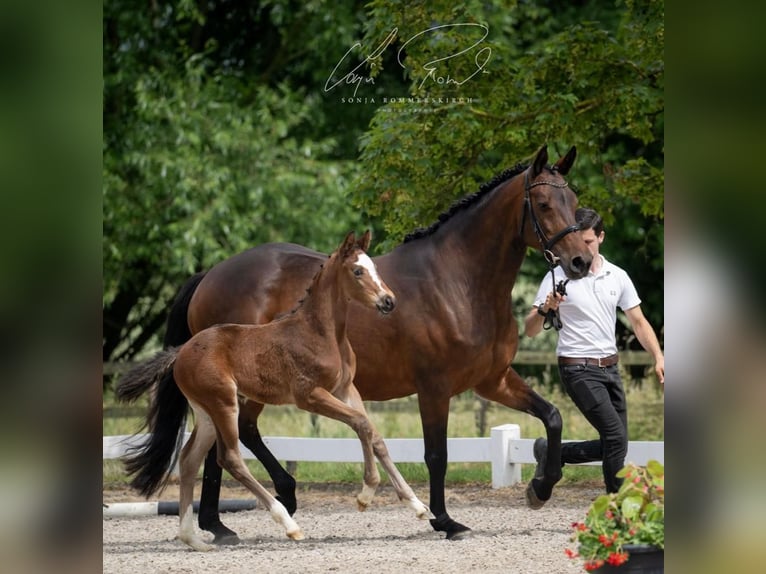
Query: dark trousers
[[598, 393]]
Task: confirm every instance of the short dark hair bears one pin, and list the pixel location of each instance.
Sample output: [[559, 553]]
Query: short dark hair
[[589, 219]]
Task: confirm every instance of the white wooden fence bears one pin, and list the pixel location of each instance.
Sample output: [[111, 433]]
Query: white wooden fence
[[504, 449]]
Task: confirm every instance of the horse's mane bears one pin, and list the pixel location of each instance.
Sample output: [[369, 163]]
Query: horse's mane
[[466, 202]]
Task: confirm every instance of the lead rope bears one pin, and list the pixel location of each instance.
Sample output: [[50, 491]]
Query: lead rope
[[552, 317]]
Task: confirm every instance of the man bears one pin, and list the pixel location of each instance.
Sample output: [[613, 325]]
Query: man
[[587, 351]]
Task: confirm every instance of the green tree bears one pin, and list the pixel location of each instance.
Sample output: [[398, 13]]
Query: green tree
[[220, 132], [551, 76], [213, 145]]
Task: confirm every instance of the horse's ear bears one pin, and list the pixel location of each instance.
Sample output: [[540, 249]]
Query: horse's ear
[[565, 163], [348, 245], [364, 241], [541, 160]]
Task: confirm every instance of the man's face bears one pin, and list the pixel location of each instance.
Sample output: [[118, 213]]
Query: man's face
[[592, 240]]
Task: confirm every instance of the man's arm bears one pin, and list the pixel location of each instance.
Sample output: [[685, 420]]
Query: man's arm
[[647, 338], [533, 322]]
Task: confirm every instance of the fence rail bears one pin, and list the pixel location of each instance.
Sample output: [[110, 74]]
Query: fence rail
[[504, 449], [627, 358]]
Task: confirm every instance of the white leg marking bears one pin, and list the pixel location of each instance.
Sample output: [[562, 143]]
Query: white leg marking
[[186, 532], [365, 497], [281, 516]]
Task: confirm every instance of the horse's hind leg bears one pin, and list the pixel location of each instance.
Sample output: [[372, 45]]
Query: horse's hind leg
[[284, 483], [192, 455], [209, 518], [230, 458], [512, 391]]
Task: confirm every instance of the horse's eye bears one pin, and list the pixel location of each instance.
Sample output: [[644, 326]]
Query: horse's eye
[[358, 271], [543, 206]]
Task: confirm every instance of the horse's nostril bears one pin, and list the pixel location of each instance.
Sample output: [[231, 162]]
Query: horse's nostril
[[579, 264], [386, 304]]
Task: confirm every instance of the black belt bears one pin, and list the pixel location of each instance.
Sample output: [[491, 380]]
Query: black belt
[[602, 362]]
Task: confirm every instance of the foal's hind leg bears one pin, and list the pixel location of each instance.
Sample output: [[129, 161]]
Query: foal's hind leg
[[512, 391], [284, 484], [192, 455], [230, 458]]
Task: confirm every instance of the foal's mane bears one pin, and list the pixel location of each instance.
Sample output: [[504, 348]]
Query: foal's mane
[[465, 202], [300, 302]]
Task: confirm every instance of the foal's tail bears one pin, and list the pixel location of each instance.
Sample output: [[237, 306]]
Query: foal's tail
[[152, 460]]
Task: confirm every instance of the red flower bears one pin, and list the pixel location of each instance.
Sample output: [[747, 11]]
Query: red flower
[[579, 526], [571, 553], [593, 564], [617, 558], [605, 540]]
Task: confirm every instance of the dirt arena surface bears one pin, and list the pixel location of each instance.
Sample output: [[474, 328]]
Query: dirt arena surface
[[507, 536]]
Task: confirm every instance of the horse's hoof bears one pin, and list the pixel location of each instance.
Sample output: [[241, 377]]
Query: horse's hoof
[[226, 539], [533, 501], [463, 534], [454, 530]]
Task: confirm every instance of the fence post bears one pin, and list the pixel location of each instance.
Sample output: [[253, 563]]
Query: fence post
[[503, 472]]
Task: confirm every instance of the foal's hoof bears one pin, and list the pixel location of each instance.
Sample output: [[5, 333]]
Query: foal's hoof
[[296, 534], [533, 501]]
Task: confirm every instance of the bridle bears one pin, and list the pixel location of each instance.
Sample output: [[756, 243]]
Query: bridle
[[552, 318], [547, 244]]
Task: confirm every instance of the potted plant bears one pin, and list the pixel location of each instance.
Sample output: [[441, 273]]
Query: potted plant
[[625, 531]]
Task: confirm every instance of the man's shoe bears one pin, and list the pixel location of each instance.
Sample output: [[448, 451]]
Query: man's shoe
[[540, 450]]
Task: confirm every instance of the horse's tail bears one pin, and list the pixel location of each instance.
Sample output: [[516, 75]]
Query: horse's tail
[[151, 461], [177, 331]]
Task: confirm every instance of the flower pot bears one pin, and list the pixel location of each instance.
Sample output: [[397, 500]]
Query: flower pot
[[643, 560]]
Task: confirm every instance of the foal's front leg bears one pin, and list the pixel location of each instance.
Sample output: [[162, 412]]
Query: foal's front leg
[[403, 490], [322, 402]]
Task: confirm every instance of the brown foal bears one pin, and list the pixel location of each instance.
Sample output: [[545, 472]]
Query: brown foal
[[303, 358]]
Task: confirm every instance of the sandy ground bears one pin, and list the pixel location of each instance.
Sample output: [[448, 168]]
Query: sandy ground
[[507, 536]]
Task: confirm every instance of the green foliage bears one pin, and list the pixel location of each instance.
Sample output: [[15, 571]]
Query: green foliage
[[219, 133], [584, 85], [633, 515]]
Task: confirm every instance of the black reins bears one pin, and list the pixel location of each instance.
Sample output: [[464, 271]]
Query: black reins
[[552, 318]]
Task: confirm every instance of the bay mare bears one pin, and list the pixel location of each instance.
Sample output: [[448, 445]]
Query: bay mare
[[454, 329], [304, 358]]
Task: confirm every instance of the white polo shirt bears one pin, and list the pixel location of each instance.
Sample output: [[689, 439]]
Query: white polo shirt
[[589, 311]]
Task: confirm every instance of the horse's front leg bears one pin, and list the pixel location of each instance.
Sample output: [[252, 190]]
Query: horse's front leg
[[512, 391], [434, 416]]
